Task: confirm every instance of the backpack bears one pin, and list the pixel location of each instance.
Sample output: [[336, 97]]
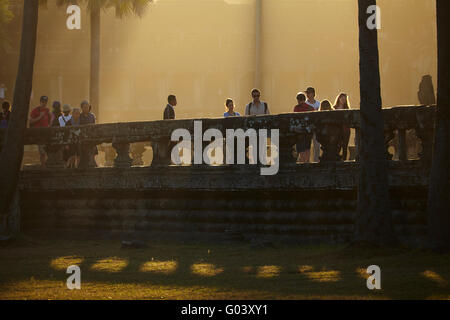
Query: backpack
[[265, 107], [68, 122]]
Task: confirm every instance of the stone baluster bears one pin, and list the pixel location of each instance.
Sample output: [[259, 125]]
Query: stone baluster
[[425, 132], [401, 145], [161, 152], [389, 135], [55, 156], [328, 136], [123, 159], [286, 155], [87, 156], [357, 143]]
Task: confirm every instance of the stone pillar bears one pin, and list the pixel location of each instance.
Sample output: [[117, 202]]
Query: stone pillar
[[123, 159], [401, 145], [161, 152], [388, 137], [87, 156], [55, 156], [328, 136], [286, 150], [357, 143]]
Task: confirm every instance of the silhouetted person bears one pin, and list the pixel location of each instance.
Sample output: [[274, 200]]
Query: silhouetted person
[[304, 144], [229, 104], [56, 113], [426, 91], [256, 107], [169, 111], [40, 118], [87, 117], [311, 100], [342, 103], [5, 114]]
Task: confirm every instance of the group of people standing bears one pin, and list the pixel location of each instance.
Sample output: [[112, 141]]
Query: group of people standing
[[306, 102], [42, 117]]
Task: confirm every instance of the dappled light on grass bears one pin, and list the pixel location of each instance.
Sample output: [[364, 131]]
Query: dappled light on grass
[[433, 276], [62, 263], [163, 267], [206, 269], [362, 273], [112, 264], [268, 271], [320, 276]]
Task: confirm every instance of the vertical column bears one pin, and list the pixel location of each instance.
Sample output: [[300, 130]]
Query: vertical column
[[123, 159], [401, 145]]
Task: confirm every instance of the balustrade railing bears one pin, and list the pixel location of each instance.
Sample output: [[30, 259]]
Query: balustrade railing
[[128, 140]]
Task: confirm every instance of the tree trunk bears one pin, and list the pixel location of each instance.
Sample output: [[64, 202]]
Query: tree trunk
[[374, 221], [12, 151], [438, 198], [258, 30], [94, 84]]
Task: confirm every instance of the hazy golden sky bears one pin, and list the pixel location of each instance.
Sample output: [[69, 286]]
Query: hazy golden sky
[[204, 52]]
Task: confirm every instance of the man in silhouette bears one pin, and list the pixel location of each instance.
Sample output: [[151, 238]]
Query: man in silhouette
[[169, 112]]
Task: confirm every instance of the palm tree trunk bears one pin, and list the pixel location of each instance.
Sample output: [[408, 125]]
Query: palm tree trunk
[[258, 30], [12, 151], [374, 221], [438, 198], [94, 85]]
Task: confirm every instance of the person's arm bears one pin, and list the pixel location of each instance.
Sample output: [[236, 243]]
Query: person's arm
[[33, 120], [247, 110], [267, 109]]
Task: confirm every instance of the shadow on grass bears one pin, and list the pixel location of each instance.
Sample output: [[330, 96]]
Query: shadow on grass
[[281, 272]]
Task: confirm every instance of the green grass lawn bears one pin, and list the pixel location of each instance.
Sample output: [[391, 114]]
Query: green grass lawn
[[37, 270]]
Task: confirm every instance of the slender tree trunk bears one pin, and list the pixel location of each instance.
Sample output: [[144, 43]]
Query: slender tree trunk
[[258, 30], [438, 197], [374, 221], [12, 151], [94, 85]]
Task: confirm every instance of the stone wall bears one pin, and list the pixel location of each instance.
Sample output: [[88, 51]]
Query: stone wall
[[303, 204]]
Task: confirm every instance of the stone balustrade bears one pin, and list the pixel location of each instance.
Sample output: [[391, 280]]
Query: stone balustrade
[[129, 139]]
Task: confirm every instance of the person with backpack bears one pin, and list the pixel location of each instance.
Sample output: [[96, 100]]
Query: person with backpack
[[303, 145], [65, 119], [56, 113], [257, 107]]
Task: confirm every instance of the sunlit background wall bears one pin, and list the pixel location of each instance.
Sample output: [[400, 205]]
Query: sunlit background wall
[[205, 51]]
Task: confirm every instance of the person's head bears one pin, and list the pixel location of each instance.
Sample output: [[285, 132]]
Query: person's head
[[229, 104], [342, 102], [325, 106], [66, 109], [6, 106], [76, 113], [85, 106], [256, 95], [43, 101], [172, 100], [310, 93], [301, 98], [2, 85], [56, 107]]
